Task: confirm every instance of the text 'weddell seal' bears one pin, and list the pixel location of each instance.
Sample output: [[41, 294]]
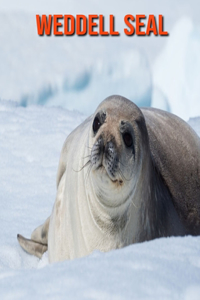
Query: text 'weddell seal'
[[94, 25], [126, 175]]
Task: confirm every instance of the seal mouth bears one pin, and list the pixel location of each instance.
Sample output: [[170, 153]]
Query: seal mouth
[[104, 168]]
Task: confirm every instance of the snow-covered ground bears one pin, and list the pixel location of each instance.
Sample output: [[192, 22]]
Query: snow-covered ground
[[30, 143]]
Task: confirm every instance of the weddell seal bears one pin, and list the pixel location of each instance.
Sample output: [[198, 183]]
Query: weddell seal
[[126, 175]]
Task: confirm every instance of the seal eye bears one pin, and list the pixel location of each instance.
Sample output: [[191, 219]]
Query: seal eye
[[128, 140], [96, 124]]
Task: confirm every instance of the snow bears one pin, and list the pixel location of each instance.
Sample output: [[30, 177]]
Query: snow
[[169, 270], [31, 139]]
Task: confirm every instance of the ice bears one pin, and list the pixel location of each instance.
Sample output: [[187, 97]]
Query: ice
[[177, 70], [78, 72], [72, 72], [125, 74]]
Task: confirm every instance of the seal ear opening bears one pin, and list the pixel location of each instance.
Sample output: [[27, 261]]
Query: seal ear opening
[[31, 246]]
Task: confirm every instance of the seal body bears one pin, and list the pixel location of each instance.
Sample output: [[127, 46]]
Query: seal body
[[125, 175]]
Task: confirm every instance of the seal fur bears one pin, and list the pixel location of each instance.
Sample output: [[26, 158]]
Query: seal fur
[[125, 175]]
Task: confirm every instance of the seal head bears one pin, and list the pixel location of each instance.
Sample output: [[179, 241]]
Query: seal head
[[119, 140]]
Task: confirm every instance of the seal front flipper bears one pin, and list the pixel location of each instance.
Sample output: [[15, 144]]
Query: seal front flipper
[[40, 234], [37, 245], [31, 246]]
